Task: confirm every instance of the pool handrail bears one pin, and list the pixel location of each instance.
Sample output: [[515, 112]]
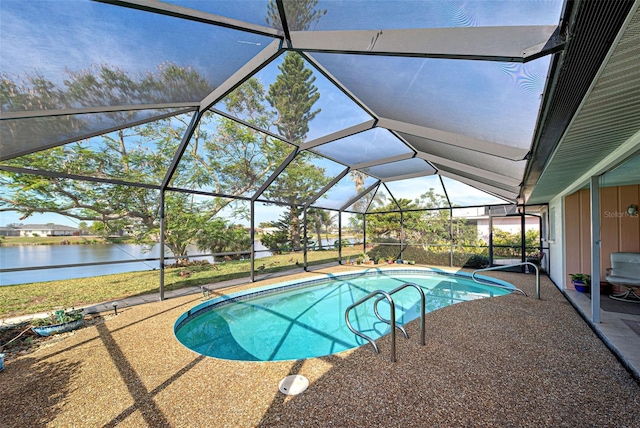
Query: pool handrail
[[393, 321], [510, 266], [422, 309]]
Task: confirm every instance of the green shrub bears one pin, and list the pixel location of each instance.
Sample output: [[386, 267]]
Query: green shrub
[[385, 252], [341, 243], [421, 256], [476, 261]]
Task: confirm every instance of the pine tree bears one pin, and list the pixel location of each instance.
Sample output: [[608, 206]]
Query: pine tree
[[293, 95]]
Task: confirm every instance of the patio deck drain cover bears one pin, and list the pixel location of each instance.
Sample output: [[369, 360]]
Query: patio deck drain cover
[[293, 384]]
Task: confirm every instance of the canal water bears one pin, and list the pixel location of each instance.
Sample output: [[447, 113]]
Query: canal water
[[51, 255]]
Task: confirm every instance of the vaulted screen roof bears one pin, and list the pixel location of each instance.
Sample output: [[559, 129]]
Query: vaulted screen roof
[[447, 92]]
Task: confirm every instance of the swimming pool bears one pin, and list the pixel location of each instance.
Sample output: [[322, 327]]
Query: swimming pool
[[297, 320]]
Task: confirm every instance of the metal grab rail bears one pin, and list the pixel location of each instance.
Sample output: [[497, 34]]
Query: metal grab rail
[[510, 266], [422, 309], [392, 323], [392, 313]]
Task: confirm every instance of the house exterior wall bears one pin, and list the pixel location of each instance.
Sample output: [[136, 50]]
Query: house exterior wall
[[39, 232], [8, 231], [619, 231], [31, 230]]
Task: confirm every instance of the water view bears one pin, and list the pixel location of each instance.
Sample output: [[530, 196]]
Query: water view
[[51, 255], [132, 257]]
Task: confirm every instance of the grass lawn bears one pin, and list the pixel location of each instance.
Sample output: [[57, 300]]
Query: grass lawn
[[38, 297]]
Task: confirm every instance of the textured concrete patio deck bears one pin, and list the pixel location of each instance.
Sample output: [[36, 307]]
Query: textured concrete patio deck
[[506, 361]]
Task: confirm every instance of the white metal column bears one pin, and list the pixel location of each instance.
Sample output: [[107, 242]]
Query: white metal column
[[595, 249]]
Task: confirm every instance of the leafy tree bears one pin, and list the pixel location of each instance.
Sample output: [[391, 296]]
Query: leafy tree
[[434, 226], [328, 221], [437, 225], [532, 238], [316, 220], [507, 244], [99, 85], [232, 160], [183, 220], [217, 236], [107, 85], [97, 228], [424, 222], [144, 161]]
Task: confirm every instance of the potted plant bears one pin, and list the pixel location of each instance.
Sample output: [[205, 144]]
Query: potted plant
[[58, 322], [581, 281], [363, 259]]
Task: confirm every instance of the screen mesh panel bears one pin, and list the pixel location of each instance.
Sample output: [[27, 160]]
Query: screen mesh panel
[[371, 145]]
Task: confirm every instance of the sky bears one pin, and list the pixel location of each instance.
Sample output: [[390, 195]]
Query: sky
[[9, 217], [53, 38]]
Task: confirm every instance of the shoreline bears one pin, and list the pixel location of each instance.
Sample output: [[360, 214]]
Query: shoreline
[[20, 241]]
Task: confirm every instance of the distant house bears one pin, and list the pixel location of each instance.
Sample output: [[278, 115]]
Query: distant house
[[267, 229], [9, 231], [47, 230], [487, 218]]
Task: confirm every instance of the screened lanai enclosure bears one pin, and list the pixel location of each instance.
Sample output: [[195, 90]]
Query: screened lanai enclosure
[[238, 131]]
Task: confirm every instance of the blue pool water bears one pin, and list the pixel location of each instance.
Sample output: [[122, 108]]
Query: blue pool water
[[291, 321]]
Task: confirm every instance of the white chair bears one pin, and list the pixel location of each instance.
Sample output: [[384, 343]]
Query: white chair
[[625, 271]]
